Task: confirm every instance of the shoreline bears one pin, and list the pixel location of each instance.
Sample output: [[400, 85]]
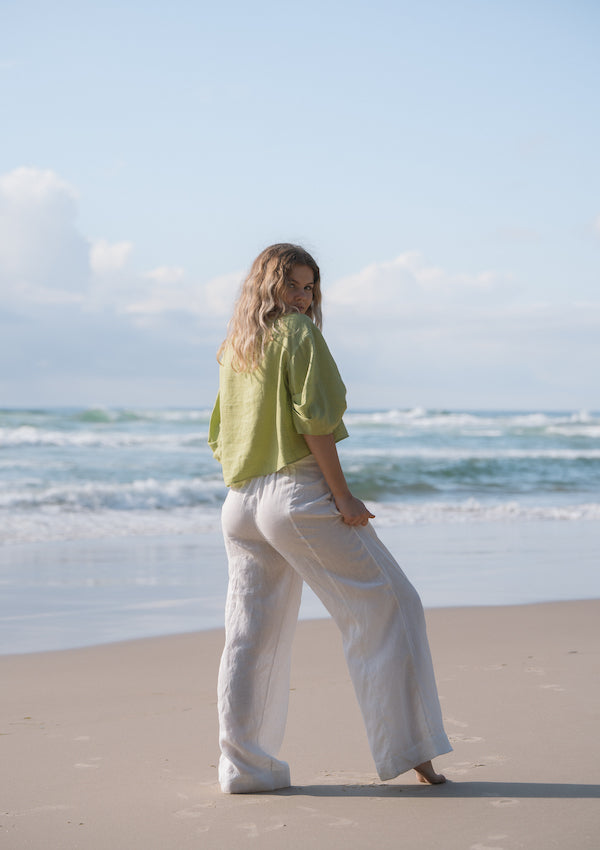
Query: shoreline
[[116, 745], [191, 634], [94, 592]]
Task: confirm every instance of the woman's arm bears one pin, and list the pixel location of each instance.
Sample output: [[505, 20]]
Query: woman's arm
[[353, 511]]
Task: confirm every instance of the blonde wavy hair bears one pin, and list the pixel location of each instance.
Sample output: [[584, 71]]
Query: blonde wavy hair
[[261, 303]]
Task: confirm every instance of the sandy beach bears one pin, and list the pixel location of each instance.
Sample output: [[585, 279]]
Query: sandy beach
[[116, 745]]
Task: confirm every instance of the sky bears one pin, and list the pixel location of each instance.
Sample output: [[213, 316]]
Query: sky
[[438, 158]]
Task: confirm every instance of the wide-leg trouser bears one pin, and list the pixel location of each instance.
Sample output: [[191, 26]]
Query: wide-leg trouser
[[279, 530]]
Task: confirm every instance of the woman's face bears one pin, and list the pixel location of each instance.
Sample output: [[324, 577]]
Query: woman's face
[[299, 288]]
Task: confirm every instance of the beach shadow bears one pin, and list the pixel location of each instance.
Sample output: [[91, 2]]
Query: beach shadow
[[503, 790]]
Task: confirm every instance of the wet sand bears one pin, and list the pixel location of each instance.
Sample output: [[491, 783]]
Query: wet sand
[[116, 745]]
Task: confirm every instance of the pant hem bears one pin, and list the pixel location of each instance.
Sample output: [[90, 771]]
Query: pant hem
[[419, 756]]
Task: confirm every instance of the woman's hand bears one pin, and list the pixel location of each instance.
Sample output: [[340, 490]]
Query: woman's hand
[[324, 450], [353, 511]]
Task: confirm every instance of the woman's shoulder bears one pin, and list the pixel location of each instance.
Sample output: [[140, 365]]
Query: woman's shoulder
[[295, 323], [294, 327]]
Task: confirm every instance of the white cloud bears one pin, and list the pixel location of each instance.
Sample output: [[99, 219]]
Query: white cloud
[[107, 257], [34, 187], [220, 294], [405, 331], [393, 288], [26, 294], [172, 292], [45, 261], [40, 246], [166, 274]]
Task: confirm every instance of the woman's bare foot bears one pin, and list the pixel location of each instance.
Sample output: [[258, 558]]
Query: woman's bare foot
[[426, 773]]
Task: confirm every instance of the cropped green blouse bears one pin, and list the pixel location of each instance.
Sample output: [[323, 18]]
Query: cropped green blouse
[[259, 417]]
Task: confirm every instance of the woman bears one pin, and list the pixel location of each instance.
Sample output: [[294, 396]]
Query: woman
[[290, 517]]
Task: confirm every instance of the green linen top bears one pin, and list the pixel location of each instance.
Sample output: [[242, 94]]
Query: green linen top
[[260, 416]]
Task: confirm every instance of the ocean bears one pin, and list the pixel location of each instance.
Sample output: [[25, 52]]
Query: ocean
[[105, 507]]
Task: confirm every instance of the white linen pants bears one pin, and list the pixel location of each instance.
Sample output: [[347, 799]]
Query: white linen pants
[[279, 530]]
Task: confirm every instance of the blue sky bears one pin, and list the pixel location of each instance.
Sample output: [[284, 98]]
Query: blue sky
[[439, 158]]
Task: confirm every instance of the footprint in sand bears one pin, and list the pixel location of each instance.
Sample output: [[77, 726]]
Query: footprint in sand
[[460, 723], [480, 846], [345, 778], [315, 813], [254, 831], [462, 767], [86, 764], [493, 758], [464, 739], [196, 811]]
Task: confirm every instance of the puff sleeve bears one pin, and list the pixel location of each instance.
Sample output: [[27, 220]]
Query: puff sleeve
[[318, 395]]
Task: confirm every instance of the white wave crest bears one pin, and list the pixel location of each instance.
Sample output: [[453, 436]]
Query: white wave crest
[[470, 454], [146, 494], [472, 510], [592, 432], [475, 424], [417, 418], [55, 526], [29, 436], [103, 414]]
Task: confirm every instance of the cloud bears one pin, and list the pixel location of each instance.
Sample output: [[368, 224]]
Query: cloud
[[220, 293], [597, 225], [166, 274], [412, 295], [80, 319], [390, 288], [172, 292], [107, 257], [68, 311], [34, 188], [408, 332], [45, 260], [40, 247]]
